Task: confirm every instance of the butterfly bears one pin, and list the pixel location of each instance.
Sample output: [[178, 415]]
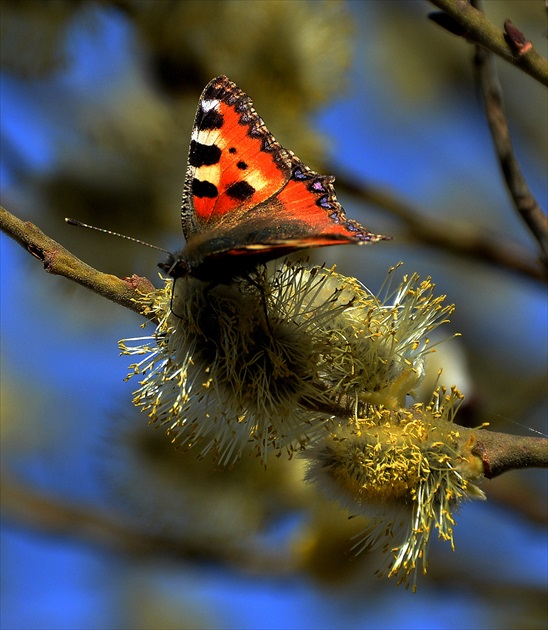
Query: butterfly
[[246, 199]]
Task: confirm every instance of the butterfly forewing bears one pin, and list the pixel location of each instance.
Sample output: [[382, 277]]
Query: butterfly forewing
[[248, 198], [234, 162]]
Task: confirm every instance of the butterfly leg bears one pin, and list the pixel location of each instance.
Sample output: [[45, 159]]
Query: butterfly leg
[[261, 289]]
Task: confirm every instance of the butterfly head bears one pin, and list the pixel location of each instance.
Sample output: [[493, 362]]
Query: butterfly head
[[175, 266]]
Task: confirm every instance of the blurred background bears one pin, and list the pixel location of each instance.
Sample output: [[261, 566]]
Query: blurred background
[[105, 524]]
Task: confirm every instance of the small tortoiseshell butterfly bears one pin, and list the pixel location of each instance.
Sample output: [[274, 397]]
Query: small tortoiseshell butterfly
[[246, 199]]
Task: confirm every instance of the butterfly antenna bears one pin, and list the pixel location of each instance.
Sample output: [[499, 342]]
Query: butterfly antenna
[[128, 238]]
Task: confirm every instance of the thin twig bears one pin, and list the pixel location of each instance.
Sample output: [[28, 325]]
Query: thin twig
[[524, 201], [479, 30], [454, 237], [59, 261]]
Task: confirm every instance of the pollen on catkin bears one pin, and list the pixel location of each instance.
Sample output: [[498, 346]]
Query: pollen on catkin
[[274, 357], [406, 470], [377, 349]]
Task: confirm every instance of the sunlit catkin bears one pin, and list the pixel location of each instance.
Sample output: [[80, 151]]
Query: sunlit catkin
[[407, 471], [275, 357]]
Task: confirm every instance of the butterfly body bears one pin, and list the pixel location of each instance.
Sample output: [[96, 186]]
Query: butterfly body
[[246, 199]]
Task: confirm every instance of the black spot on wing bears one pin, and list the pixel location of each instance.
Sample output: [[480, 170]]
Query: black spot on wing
[[203, 189], [203, 154], [232, 150], [240, 191], [210, 119], [241, 165]]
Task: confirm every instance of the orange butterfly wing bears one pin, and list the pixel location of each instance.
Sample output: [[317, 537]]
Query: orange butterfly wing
[[246, 198]]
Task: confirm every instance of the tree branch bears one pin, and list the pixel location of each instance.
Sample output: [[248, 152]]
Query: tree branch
[[501, 452], [498, 454], [475, 27], [59, 261], [524, 201]]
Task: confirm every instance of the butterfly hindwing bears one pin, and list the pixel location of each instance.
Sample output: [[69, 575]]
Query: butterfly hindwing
[[310, 197]]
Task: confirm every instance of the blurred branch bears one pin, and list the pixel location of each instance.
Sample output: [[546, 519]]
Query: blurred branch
[[501, 452], [463, 19], [454, 237], [59, 261], [524, 201], [25, 507]]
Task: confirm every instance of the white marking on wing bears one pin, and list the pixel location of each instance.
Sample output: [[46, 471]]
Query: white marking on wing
[[207, 106]]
